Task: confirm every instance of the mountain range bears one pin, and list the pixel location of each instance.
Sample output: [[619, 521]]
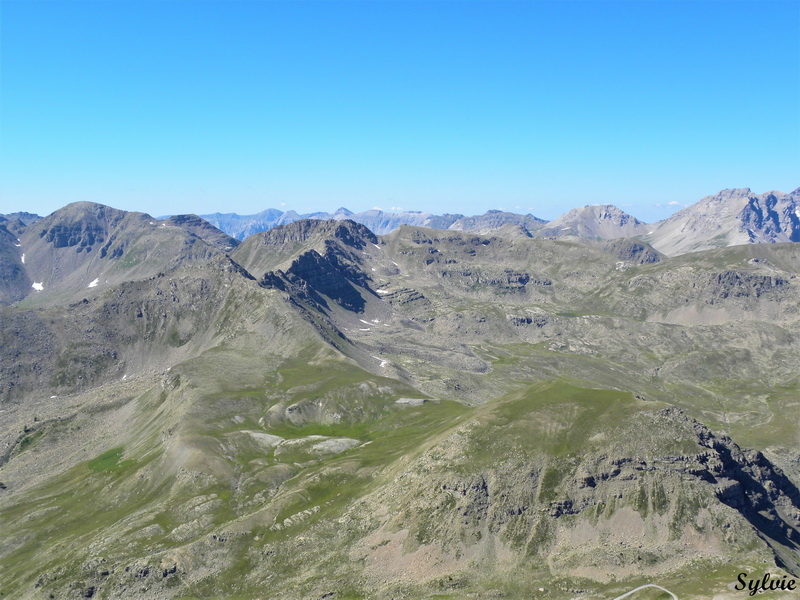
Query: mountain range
[[735, 216], [562, 410], [730, 217]]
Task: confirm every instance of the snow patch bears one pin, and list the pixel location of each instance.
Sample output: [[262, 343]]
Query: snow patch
[[367, 329], [94, 283], [381, 291], [18, 245], [376, 245], [23, 259], [37, 285], [365, 322]]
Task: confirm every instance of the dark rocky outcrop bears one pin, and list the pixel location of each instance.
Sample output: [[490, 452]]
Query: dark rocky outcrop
[[633, 251]]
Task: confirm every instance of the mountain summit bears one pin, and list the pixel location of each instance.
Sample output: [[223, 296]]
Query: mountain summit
[[728, 218], [602, 221]]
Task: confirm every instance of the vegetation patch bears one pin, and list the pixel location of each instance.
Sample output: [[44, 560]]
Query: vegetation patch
[[109, 462]]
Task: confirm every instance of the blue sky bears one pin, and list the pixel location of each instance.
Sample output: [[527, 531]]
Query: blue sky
[[184, 106]]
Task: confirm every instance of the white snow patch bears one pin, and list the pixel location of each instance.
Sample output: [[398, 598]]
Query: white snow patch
[[565, 228], [367, 329], [383, 362], [373, 268], [395, 264], [797, 212], [376, 245], [365, 322], [376, 320], [649, 232], [23, 258], [18, 245], [51, 397], [37, 285], [94, 283], [381, 291]]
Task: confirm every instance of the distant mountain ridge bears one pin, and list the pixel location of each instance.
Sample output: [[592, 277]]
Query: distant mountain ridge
[[730, 217], [378, 221]]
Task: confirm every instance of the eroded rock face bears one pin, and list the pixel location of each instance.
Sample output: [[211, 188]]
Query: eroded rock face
[[82, 225], [349, 232], [733, 284], [14, 281], [730, 217], [601, 509]]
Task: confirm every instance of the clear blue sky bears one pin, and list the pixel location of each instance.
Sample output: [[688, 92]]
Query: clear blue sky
[[184, 106]]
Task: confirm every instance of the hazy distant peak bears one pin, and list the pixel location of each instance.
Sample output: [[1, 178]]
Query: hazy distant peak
[[598, 221]]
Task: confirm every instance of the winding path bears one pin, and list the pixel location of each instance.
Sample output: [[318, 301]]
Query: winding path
[[641, 587]]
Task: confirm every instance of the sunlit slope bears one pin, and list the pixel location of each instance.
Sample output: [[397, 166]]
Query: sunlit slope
[[556, 486]]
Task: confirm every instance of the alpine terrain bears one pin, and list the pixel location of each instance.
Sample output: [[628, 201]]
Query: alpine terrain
[[459, 407]]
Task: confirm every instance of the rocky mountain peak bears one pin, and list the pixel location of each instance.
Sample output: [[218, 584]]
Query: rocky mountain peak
[[304, 230], [727, 218], [603, 221], [204, 230]]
